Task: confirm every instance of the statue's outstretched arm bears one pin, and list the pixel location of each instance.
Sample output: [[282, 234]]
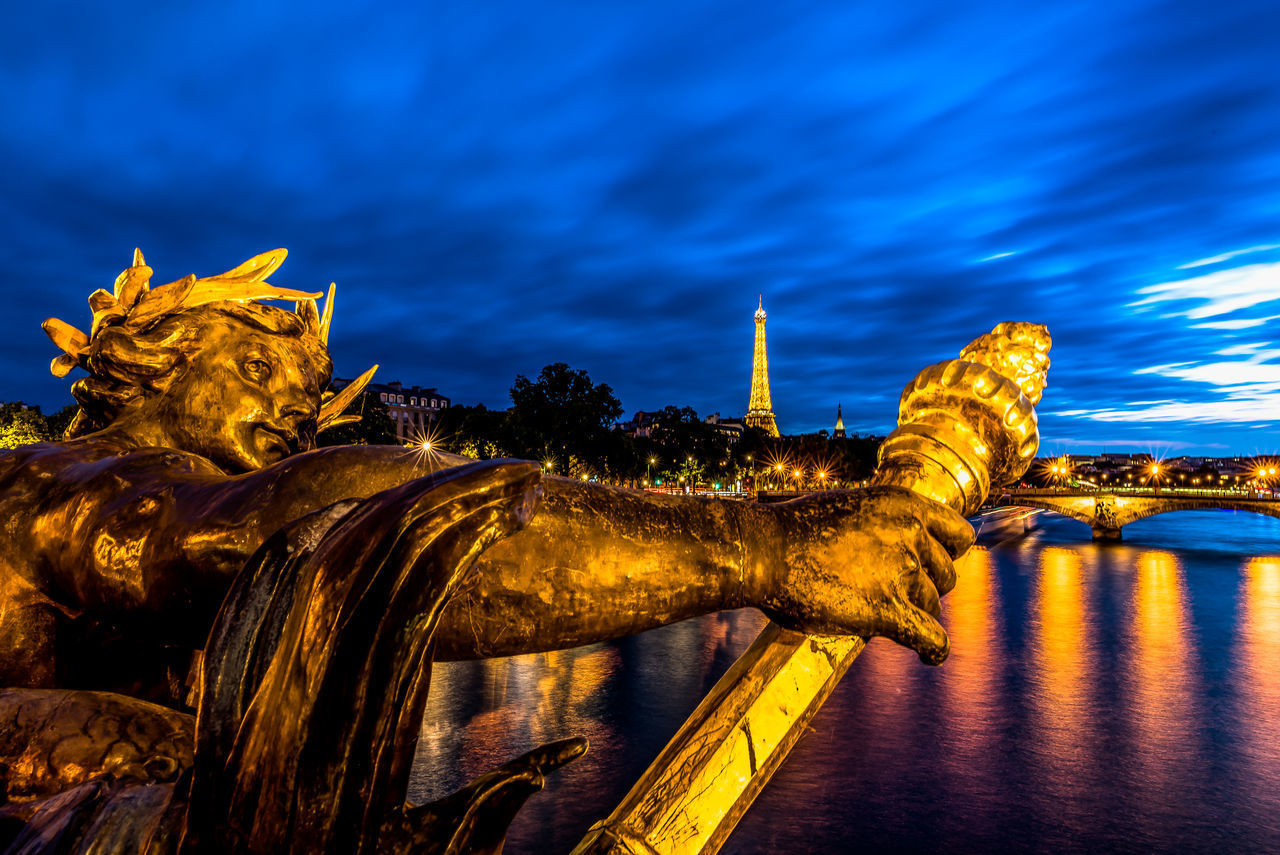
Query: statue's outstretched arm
[[164, 535], [599, 563]]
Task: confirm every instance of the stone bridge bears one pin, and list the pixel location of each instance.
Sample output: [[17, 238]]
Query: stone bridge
[[1107, 512]]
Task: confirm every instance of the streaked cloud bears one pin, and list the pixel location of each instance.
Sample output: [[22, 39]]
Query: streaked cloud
[[1236, 408], [1217, 293], [1245, 391], [1227, 256], [1235, 324]]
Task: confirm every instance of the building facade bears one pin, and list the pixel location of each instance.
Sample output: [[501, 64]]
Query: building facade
[[412, 408], [730, 429]]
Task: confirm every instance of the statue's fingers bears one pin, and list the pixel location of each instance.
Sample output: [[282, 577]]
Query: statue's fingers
[[937, 563], [550, 757], [948, 528], [917, 629], [921, 593]]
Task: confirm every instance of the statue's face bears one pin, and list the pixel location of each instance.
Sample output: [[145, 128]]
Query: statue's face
[[247, 399]]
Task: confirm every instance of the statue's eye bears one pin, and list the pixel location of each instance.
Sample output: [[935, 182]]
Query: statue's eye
[[257, 370]]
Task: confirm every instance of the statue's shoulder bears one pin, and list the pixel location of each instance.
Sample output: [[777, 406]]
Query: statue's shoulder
[[59, 465], [29, 461]]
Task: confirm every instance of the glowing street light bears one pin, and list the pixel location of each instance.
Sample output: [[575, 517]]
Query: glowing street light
[[1058, 470]]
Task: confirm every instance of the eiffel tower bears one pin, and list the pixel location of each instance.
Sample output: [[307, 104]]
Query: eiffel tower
[[760, 408]]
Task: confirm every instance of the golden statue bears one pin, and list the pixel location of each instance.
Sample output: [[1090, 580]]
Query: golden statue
[[186, 547]]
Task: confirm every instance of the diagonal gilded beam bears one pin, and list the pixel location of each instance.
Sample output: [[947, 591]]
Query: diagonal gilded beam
[[692, 796]]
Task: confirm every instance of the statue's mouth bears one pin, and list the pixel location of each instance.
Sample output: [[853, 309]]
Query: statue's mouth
[[280, 439]]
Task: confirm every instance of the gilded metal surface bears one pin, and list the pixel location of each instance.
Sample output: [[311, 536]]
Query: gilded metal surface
[[963, 425], [190, 467], [53, 740], [694, 793], [969, 423]]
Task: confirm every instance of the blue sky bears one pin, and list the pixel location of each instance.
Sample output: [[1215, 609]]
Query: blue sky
[[499, 186]]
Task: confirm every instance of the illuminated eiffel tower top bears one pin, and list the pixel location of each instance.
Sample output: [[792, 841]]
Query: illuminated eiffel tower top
[[760, 408]]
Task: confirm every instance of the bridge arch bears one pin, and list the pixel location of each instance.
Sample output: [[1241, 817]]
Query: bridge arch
[[1269, 509], [1065, 511], [1107, 514]]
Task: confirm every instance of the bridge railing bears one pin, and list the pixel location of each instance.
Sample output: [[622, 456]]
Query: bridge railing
[[1151, 492]]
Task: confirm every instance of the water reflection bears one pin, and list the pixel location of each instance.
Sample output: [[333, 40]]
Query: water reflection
[[1258, 665], [1120, 698], [522, 702], [1062, 703], [971, 692], [627, 698], [1162, 693]]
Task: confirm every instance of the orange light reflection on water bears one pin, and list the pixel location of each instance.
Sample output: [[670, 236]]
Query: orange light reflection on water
[[1162, 689], [971, 675], [1259, 662], [1063, 649], [527, 701]]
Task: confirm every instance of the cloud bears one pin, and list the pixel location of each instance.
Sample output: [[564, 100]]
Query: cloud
[[1244, 407], [1235, 324], [1218, 293], [1227, 256]]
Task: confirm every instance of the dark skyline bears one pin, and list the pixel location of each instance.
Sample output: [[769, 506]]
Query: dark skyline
[[498, 187]]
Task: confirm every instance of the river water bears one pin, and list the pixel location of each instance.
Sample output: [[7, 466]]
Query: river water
[[1099, 698]]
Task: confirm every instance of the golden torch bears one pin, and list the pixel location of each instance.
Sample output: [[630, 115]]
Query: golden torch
[[963, 425], [969, 423]]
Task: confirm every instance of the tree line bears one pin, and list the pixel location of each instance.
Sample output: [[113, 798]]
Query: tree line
[[23, 425], [569, 424]]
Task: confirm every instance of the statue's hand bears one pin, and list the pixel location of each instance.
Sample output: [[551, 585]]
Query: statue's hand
[[861, 562]]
